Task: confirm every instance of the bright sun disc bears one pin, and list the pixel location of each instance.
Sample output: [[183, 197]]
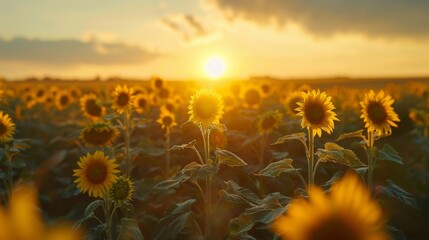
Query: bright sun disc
[[214, 67]]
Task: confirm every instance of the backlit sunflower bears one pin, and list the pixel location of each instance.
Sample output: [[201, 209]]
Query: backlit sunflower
[[269, 121], [91, 108], [164, 94], [62, 100], [252, 97], [347, 212], [166, 120], [96, 174], [156, 83], [266, 88], [141, 103], [99, 134], [122, 190], [316, 112], [205, 107], [291, 103], [122, 98], [378, 113], [7, 127]]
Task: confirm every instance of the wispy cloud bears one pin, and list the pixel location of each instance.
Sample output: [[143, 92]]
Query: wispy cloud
[[72, 52], [375, 18]]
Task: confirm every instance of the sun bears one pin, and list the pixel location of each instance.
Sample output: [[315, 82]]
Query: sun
[[214, 67]]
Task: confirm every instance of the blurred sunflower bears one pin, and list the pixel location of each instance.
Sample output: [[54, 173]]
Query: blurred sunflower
[[139, 90], [348, 212], [48, 102], [269, 121], [229, 101], [141, 103], [99, 134], [205, 107], [7, 127], [22, 219], [122, 190], [29, 100], [218, 138], [96, 174], [266, 88], [63, 99], [91, 108], [54, 90], [291, 103], [316, 112], [40, 94], [167, 120], [252, 97], [74, 91], [378, 113], [170, 105], [122, 98], [156, 83], [164, 94]]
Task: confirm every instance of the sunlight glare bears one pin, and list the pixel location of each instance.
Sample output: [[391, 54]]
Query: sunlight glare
[[215, 67]]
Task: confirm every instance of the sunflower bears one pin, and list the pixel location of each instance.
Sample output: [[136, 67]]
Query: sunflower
[[62, 100], [164, 94], [141, 103], [156, 83], [378, 113], [167, 120], [99, 134], [252, 97], [40, 94], [91, 108], [122, 98], [205, 107], [291, 103], [170, 106], [29, 100], [74, 91], [121, 190], [266, 88], [7, 127], [229, 101], [269, 121], [96, 174], [316, 112], [348, 212]]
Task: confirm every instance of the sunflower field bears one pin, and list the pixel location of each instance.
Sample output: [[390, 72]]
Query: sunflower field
[[255, 159]]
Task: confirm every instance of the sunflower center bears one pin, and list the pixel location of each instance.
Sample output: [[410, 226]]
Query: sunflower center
[[158, 83], [97, 172], [268, 122], [377, 113], [94, 137], [142, 103], [167, 121], [334, 228], [164, 93], [252, 97], [64, 100], [123, 99], [3, 129], [315, 113], [265, 88], [40, 93], [206, 109], [92, 108]]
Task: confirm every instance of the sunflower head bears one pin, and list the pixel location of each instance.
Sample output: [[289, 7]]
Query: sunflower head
[[122, 190], [7, 127], [315, 109], [269, 121], [378, 113], [123, 98], [99, 134], [167, 120], [291, 103], [156, 83], [205, 107], [164, 94], [91, 108], [343, 214], [40, 94], [96, 174], [141, 103], [62, 100], [266, 88], [252, 97], [229, 101]]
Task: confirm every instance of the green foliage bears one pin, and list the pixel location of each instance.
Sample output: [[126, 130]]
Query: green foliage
[[275, 169], [337, 154], [228, 158], [388, 153]]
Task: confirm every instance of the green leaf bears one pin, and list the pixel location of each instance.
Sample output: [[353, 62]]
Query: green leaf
[[228, 158], [389, 153], [357, 134], [275, 169], [191, 144], [129, 230], [89, 212], [394, 191], [237, 194], [174, 221], [295, 136], [197, 171], [173, 182], [335, 153]]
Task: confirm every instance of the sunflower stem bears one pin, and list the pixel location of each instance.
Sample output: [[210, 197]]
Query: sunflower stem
[[208, 200], [108, 218], [127, 142], [167, 147], [370, 144], [311, 157]]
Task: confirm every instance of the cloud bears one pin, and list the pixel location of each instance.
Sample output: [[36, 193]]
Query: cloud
[[188, 27], [72, 52], [375, 18]]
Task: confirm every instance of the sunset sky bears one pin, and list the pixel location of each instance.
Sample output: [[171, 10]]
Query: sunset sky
[[173, 38]]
